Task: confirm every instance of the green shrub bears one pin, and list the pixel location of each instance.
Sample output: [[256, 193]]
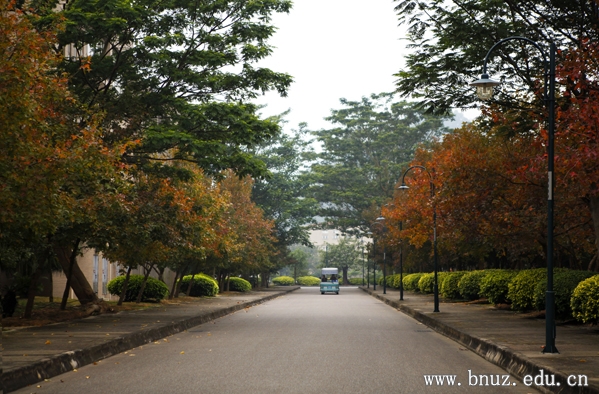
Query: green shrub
[[425, 284], [283, 281], [410, 281], [469, 284], [564, 283], [585, 300], [356, 281], [239, 284], [494, 286], [389, 278], [521, 290], [427, 281], [203, 285], [396, 281], [155, 290], [393, 281], [449, 286], [308, 281]]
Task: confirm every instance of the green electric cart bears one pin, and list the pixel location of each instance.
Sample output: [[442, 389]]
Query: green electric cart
[[331, 285]]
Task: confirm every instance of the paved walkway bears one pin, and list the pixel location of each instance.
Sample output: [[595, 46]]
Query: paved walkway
[[505, 338], [509, 339], [30, 355]]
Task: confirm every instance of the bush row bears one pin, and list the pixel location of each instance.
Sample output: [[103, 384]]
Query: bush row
[[155, 290], [576, 292]]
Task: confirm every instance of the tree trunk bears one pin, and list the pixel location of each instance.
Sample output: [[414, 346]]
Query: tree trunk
[[83, 291], [188, 292], [32, 291], [170, 296], [594, 204], [345, 280], [51, 284], [124, 289], [69, 272], [143, 284]]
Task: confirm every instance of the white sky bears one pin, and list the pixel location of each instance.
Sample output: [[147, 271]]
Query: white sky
[[333, 49]]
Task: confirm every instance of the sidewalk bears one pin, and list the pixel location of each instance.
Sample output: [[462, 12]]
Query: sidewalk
[[508, 339], [32, 354]]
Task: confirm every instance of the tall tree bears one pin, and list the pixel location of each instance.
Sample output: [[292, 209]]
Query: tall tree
[[175, 75], [449, 40], [362, 158], [345, 255], [283, 195]]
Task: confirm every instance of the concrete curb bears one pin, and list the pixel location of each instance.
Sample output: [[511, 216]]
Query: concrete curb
[[516, 364], [17, 378]]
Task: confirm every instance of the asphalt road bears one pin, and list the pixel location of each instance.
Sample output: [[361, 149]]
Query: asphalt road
[[303, 342]]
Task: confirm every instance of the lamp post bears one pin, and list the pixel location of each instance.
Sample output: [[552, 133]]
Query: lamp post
[[400, 263], [484, 88], [381, 220], [363, 260], [432, 186], [374, 263]]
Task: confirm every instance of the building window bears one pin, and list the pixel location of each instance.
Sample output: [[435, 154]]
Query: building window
[[95, 274]]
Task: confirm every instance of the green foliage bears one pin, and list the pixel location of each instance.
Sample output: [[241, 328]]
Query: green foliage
[[179, 74], [203, 285], [521, 289], [494, 286], [342, 255], [155, 290], [564, 283], [283, 281], [356, 281], [448, 42], [425, 284], [449, 286], [585, 300], [239, 284], [469, 284], [308, 281], [396, 280], [282, 196], [410, 281], [363, 156], [392, 280]]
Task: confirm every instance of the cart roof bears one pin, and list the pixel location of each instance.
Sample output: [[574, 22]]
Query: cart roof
[[330, 271]]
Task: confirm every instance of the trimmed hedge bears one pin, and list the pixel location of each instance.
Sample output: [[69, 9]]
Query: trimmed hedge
[[308, 281], [449, 287], [585, 300], [521, 290], [283, 281], [356, 281], [239, 284], [410, 281], [469, 284], [564, 283], [425, 284], [495, 285], [155, 290], [203, 285]]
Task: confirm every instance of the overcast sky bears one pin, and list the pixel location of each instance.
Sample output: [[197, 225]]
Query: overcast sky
[[333, 49]]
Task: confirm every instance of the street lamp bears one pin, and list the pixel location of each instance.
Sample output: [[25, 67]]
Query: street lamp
[[400, 263], [381, 220], [374, 262], [432, 186], [484, 87]]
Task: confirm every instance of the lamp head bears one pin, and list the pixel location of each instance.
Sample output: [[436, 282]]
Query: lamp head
[[380, 219], [484, 86], [403, 187]]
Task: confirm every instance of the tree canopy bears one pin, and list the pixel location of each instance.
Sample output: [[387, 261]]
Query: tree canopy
[[363, 156]]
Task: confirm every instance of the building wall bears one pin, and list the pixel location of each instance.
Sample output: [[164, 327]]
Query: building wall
[[97, 270]]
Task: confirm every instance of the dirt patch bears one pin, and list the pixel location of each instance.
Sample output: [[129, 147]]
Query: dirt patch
[[45, 312]]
